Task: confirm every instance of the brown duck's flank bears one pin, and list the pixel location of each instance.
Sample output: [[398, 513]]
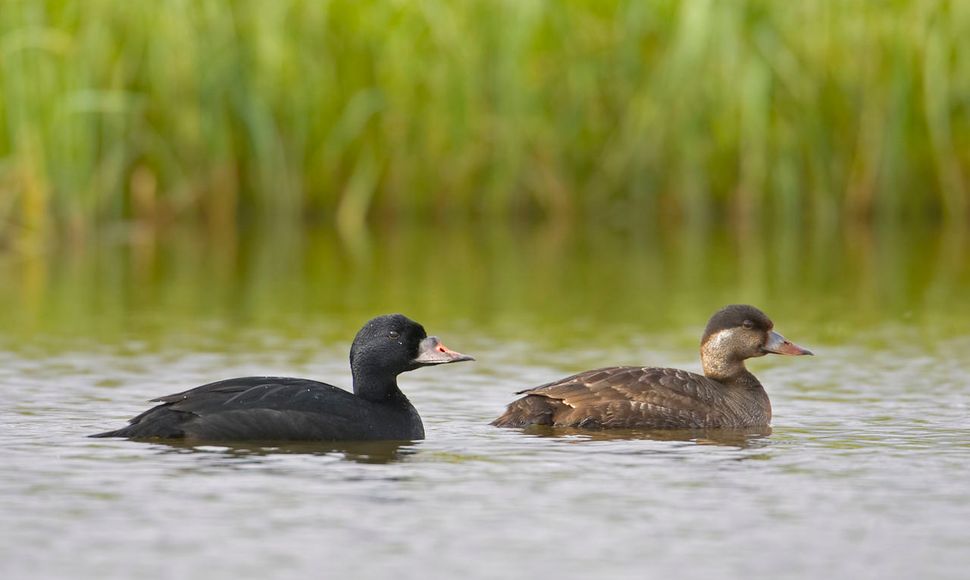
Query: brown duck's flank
[[727, 395]]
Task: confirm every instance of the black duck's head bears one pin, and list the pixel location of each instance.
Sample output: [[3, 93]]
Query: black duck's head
[[738, 332], [393, 343]]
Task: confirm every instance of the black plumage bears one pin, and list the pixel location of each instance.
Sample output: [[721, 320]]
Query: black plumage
[[281, 408], [727, 395]]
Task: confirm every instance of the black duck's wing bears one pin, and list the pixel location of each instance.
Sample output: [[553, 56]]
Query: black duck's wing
[[280, 393], [627, 396], [250, 408]]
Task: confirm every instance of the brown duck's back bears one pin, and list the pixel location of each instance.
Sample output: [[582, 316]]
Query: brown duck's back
[[647, 397]]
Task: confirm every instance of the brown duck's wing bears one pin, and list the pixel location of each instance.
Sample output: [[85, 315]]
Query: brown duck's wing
[[629, 397]]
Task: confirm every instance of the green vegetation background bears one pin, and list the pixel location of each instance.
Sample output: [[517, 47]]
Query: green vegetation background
[[220, 111]]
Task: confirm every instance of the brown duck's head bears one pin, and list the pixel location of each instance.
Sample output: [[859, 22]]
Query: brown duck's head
[[738, 332]]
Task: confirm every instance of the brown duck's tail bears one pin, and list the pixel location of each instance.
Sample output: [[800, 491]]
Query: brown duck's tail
[[529, 410]]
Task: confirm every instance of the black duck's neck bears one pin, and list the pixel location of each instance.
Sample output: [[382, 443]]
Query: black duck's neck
[[377, 386]]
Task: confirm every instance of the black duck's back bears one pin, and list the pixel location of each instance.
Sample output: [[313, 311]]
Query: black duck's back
[[273, 408]]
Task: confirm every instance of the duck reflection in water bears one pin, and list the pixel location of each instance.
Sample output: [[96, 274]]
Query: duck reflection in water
[[370, 452], [742, 438]]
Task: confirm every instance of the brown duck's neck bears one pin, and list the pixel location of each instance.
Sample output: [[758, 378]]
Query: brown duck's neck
[[727, 370]]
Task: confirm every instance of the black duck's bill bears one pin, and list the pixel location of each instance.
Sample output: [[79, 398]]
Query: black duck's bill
[[432, 352]]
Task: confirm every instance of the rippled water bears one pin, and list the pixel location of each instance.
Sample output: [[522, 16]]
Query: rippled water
[[863, 476]]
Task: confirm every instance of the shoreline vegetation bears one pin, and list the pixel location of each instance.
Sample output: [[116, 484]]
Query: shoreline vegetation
[[220, 113]]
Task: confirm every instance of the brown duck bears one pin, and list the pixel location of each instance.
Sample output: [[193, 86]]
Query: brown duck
[[726, 395]]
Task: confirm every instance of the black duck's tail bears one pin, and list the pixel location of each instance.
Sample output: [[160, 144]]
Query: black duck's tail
[[529, 410], [140, 431], [156, 423], [115, 433]]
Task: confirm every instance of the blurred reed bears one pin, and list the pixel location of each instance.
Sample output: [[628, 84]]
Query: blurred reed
[[216, 111]]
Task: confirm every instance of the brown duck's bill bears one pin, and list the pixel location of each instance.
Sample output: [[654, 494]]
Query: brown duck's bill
[[432, 352], [778, 344]]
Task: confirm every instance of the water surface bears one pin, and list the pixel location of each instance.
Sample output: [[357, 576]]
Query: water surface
[[862, 476]]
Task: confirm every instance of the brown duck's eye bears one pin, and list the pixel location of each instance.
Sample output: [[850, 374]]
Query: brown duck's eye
[[393, 334], [747, 324]]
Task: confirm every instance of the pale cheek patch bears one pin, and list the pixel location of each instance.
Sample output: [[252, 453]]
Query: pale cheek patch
[[721, 339]]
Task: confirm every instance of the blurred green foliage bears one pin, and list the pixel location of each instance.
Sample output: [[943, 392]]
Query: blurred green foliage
[[214, 111]]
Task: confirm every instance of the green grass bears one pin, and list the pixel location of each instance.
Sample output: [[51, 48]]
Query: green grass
[[217, 111]]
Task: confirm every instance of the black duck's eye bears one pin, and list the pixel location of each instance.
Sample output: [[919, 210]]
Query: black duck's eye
[[393, 334], [747, 324]]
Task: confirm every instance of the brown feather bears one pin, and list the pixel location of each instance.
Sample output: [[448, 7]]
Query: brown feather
[[727, 395], [647, 397]]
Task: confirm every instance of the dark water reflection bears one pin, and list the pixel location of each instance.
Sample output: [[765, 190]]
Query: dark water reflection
[[862, 476], [375, 452]]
